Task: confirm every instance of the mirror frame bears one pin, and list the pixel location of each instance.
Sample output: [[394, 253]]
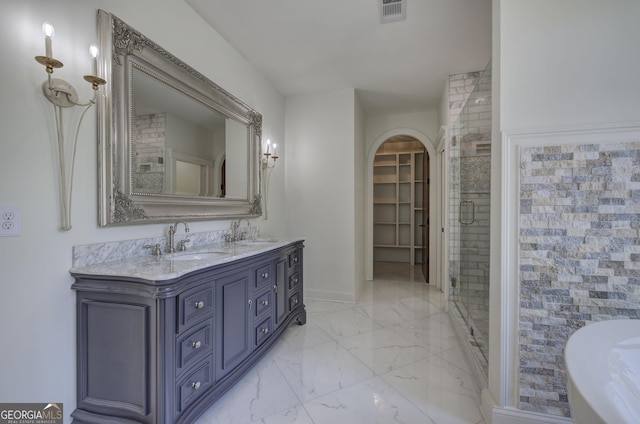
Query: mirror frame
[[121, 49]]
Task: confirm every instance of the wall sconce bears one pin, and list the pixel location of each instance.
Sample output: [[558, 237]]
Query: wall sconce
[[268, 163], [62, 95]]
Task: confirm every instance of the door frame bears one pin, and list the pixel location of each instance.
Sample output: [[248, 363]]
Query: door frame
[[434, 179], [442, 218]]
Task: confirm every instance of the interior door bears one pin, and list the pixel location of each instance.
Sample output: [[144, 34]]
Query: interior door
[[425, 216]]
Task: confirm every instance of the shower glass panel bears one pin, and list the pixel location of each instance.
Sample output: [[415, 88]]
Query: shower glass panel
[[469, 191]]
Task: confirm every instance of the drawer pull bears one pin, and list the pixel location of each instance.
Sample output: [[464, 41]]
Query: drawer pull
[[295, 301], [265, 330], [295, 259], [250, 304], [197, 345], [199, 304], [295, 280], [265, 302], [265, 275], [196, 385]]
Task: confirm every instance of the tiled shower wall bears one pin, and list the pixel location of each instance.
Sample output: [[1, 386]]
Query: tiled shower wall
[[579, 256], [470, 178], [149, 145]]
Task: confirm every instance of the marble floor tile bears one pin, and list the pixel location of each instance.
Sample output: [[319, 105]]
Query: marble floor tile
[[395, 312], [432, 333], [345, 323], [253, 397], [444, 392], [383, 350], [372, 401], [296, 415], [301, 336], [314, 306], [321, 369], [392, 357]]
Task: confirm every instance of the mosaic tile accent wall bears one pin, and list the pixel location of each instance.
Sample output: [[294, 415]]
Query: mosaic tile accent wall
[[579, 256]]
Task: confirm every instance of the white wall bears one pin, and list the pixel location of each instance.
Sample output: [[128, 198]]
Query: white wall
[[360, 173], [37, 307], [557, 65], [569, 63], [425, 122], [320, 189]]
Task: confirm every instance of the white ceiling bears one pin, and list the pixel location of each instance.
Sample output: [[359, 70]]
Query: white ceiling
[[306, 46]]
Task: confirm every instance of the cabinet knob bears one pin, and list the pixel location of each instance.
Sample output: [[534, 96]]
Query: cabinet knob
[[195, 385], [265, 275], [275, 288], [199, 304], [295, 280], [250, 303], [265, 330], [295, 259], [265, 302], [197, 345], [295, 301]]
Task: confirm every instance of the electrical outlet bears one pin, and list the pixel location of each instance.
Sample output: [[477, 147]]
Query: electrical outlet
[[10, 221]]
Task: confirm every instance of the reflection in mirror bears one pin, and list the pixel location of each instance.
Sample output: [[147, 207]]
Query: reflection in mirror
[[170, 128], [174, 144]]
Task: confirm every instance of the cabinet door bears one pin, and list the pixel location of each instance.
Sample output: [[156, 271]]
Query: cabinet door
[[280, 289], [233, 321]]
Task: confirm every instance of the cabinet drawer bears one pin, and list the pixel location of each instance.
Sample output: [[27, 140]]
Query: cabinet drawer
[[294, 280], [264, 275], [295, 259], [264, 303], [263, 331], [194, 385], [195, 305], [295, 300], [194, 345]]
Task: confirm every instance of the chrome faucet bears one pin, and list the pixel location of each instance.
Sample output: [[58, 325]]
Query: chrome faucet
[[234, 228], [172, 231]]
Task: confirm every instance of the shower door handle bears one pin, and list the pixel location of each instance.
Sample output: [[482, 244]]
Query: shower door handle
[[467, 203]]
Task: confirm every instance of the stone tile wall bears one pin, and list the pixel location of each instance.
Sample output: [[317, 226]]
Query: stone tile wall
[[579, 256], [149, 144]]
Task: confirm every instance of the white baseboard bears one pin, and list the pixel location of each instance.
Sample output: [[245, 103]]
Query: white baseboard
[[310, 293], [494, 414], [517, 416]]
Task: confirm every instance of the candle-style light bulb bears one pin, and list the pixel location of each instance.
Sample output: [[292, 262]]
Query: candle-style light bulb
[[48, 31], [268, 145], [94, 51], [274, 148]]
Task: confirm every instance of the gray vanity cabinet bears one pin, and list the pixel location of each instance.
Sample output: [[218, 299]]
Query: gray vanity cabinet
[[233, 314], [164, 351]]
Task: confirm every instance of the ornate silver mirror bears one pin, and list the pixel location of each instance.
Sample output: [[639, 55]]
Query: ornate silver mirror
[[173, 144]]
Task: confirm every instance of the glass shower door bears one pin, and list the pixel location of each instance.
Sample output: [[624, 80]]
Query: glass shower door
[[470, 193]]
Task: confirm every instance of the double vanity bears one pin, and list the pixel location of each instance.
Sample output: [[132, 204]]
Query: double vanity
[[161, 338]]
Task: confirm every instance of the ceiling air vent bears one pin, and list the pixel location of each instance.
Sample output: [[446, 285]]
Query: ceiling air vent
[[393, 10]]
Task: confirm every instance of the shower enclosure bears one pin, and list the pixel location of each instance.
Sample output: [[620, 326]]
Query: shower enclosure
[[469, 207]]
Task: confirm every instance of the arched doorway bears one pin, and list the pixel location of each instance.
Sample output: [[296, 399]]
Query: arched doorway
[[399, 200]]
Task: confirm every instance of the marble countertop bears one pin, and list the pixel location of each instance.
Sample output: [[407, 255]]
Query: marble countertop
[[169, 266]]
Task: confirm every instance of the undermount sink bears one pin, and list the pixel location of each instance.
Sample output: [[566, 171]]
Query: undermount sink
[[603, 372], [201, 256]]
